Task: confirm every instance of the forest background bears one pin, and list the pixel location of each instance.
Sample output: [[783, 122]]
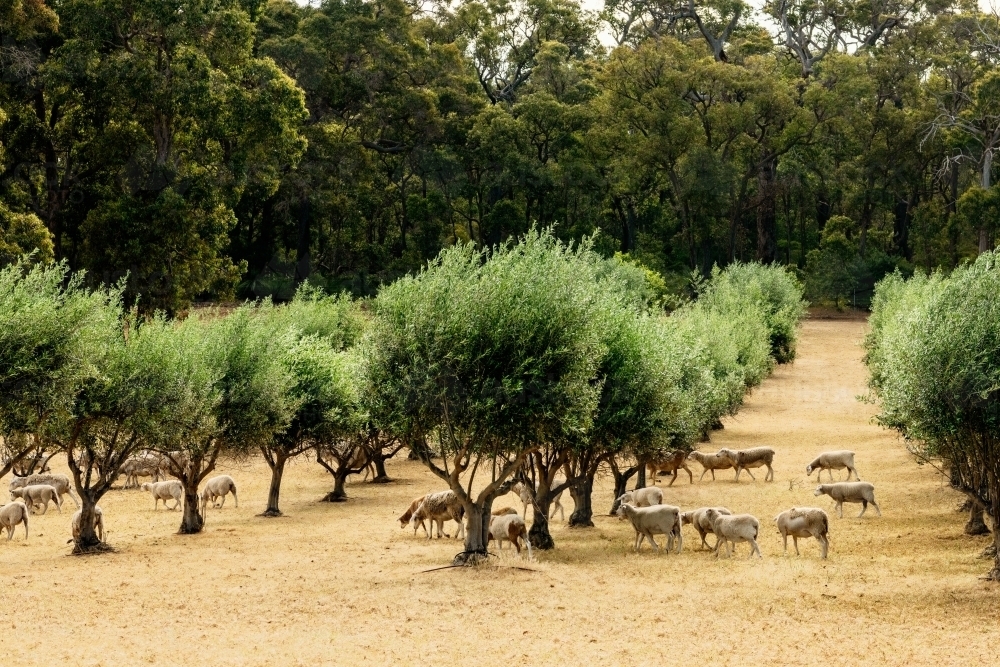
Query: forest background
[[212, 149]]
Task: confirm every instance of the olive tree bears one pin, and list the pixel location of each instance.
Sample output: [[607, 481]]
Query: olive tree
[[934, 356], [119, 407], [483, 357], [47, 319], [240, 397]]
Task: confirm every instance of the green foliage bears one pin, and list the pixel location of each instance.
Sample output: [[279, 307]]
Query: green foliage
[[22, 234]]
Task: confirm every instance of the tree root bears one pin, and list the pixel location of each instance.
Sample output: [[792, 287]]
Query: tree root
[[334, 497], [91, 549], [271, 513]]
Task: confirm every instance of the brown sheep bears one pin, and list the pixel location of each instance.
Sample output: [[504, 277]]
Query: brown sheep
[[671, 463]]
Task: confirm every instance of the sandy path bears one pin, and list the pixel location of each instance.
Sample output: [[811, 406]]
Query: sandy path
[[342, 584]]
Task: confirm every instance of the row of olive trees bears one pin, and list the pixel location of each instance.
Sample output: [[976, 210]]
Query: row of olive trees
[[543, 356], [933, 355]]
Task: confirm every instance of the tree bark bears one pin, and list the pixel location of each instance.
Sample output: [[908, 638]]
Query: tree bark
[[976, 525], [274, 492], [339, 493], [583, 511], [621, 483], [381, 477], [192, 521], [477, 530], [88, 540], [539, 533]]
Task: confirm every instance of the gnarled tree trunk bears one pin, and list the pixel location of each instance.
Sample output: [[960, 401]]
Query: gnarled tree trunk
[[274, 492], [88, 540], [192, 521], [583, 510]]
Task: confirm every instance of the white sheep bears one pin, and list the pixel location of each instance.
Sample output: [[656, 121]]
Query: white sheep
[[510, 528], [645, 497], [744, 459], [655, 520], [438, 508], [850, 492], [831, 461], [711, 463], [733, 529], [165, 491], [76, 525], [215, 488], [60, 482], [804, 522], [11, 515], [700, 521], [523, 491], [38, 495]]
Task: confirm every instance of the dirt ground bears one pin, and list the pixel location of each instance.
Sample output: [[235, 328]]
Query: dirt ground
[[343, 584]]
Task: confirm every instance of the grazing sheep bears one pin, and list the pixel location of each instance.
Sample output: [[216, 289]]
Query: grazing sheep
[[700, 521], [143, 465], [733, 529], [504, 511], [655, 520], [646, 497], [408, 514], [76, 524], [11, 515], [165, 491], [509, 527], [438, 508], [804, 522], [831, 461], [850, 492], [523, 492], [671, 463], [38, 494], [744, 459], [215, 488], [60, 482], [711, 463]]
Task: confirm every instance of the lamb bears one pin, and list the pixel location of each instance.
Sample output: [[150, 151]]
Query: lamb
[[77, 523], [672, 463], [165, 491], [38, 494], [649, 521], [60, 482], [701, 523], [523, 491], [438, 508], [711, 462], [408, 514], [215, 488], [646, 497], [744, 459], [509, 527], [831, 461], [804, 522], [11, 515], [733, 529], [850, 492]]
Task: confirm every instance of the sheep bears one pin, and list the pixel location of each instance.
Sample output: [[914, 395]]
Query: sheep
[[649, 521], [701, 523], [143, 465], [850, 492], [804, 522], [60, 482], [711, 463], [503, 511], [523, 491], [831, 461], [408, 514], [438, 508], [215, 488], [646, 497], [509, 527], [38, 494], [732, 529], [11, 515], [173, 464], [76, 524], [671, 463], [165, 491], [744, 459]]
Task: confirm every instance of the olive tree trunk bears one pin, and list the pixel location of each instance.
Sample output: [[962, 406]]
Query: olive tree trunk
[[339, 493], [88, 540], [381, 477], [539, 534], [582, 494], [274, 491], [192, 521], [976, 525], [621, 478]]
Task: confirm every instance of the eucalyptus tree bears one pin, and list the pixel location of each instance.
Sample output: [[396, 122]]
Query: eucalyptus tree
[[47, 321], [484, 357], [239, 397]]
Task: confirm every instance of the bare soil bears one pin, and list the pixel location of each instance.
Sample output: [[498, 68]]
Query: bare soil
[[341, 583]]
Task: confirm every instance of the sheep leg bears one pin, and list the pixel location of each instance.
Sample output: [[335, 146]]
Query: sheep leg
[[877, 508], [674, 478], [45, 507], [220, 504], [784, 541], [864, 507], [756, 549], [840, 509], [829, 472], [690, 475], [750, 472], [235, 498], [703, 475], [795, 541], [769, 477]]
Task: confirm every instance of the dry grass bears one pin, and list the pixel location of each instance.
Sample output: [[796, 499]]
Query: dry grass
[[342, 584]]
